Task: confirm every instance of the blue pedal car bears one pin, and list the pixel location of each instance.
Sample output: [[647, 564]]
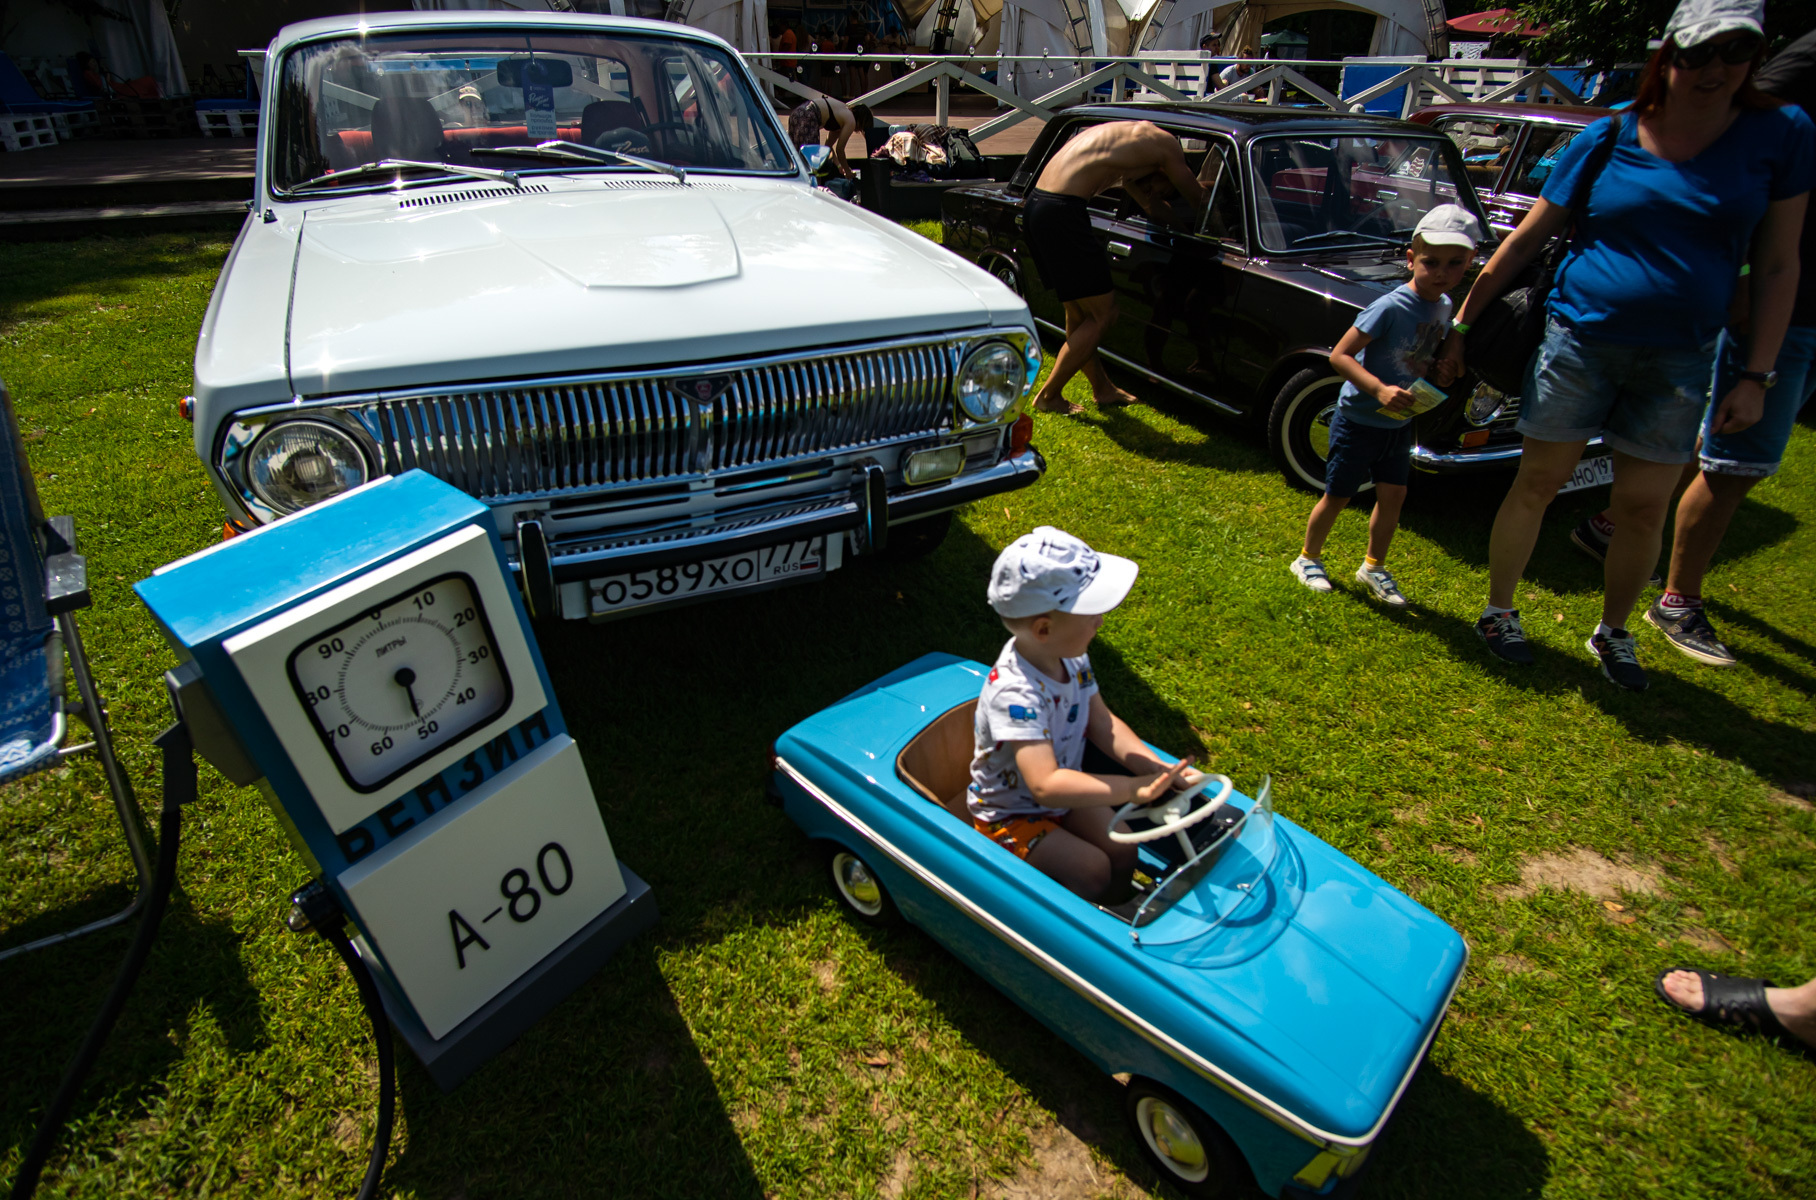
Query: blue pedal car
[[1269, 998]]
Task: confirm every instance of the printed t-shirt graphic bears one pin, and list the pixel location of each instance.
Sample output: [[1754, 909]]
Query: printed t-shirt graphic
[[1020, 704]]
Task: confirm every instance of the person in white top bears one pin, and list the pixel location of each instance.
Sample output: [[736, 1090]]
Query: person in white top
[[1040, 705]]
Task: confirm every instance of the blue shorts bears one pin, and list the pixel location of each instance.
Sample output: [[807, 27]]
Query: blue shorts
[[1647, 401], [1757, 450], [1359, 453]]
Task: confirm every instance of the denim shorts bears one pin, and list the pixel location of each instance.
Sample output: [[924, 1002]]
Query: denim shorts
[[1757, 450], [1647, 401], [1361, 452]]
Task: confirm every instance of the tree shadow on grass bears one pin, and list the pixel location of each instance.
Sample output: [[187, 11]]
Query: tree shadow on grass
[[54, 994], [607, 1095], [1673, 709], [34, 272], [1229, 444]]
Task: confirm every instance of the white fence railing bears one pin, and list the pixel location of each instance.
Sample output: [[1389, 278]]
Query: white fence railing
[[1158, 76]]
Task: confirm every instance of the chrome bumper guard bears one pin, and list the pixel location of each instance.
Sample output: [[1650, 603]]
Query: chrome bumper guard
[[787, 522]]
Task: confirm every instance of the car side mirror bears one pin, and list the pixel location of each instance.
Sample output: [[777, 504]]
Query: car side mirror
[[537, 72]]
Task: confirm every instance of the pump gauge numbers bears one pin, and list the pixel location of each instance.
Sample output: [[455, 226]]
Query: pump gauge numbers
[[399, 682]]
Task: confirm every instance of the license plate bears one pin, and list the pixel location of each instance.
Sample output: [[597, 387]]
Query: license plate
[[615, 593], [1591, 472]]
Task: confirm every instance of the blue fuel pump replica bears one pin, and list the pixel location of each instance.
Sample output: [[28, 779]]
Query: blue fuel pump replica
[[368, 663]]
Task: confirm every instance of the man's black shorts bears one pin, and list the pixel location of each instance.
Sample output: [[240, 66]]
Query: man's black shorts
[[1066, 252]]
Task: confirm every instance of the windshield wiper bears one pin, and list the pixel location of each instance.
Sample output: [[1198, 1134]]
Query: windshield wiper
[[576, 152], [1363, 238], [337, 178]]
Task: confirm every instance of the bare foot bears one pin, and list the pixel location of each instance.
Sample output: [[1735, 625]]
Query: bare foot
[[1058, 404], [1118, 399], [1795, 1008]]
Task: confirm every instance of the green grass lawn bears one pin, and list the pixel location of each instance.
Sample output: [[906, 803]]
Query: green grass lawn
[[755, 1043]]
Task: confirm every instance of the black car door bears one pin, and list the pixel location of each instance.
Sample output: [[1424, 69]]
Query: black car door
[[1177, 281]]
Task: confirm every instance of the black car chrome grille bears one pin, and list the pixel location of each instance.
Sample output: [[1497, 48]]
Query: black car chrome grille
[[600, 431]]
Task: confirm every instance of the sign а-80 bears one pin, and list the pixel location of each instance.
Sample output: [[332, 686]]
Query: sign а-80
[[522, 899]]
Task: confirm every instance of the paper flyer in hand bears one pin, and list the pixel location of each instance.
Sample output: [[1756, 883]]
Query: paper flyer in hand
[[1429, 397]]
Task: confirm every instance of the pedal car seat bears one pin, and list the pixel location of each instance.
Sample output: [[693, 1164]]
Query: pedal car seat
[[937, 763]]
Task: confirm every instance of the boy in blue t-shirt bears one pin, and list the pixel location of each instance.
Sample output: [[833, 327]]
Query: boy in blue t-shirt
[[1391, 346]]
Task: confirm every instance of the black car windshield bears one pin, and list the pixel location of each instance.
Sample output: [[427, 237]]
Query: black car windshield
[[1330, 192], [436, 97]]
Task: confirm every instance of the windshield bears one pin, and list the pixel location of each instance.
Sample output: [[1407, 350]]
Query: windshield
[[437, 97], [1218, 885], [1327, 192]]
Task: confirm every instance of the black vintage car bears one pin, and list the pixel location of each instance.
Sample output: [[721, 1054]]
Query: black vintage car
[[1308, 222]]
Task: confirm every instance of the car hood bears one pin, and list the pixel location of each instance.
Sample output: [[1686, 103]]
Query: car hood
[[595, 275]]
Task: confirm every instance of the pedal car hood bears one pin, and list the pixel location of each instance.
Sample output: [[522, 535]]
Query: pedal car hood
[[599, 276]]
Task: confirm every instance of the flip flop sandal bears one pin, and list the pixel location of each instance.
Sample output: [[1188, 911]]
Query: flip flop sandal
[[1731, 1001]]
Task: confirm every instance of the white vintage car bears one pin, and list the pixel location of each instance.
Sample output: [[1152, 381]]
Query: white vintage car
[[571, 265]]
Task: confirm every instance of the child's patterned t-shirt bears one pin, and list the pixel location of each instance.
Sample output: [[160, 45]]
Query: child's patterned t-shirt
[[1020, 704]]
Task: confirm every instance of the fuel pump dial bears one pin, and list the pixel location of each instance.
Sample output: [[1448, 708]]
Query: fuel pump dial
[[390, 687]]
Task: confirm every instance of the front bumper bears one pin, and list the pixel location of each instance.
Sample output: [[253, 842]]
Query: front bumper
[[1486, 458], [867, 509]]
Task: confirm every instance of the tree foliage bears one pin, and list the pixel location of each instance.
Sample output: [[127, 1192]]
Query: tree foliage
[[1605, 32]]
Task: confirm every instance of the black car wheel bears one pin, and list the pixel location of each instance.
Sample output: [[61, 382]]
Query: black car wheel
[[1298, 427], [1004, 270], [859, 889], [1187, 1147]]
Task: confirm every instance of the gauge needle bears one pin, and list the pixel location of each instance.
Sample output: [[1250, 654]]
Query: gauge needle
[[405, 677]]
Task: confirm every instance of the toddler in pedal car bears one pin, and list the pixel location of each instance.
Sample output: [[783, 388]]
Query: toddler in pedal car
[[1040, 705]]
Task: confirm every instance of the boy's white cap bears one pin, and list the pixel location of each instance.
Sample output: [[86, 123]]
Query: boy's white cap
[[1049, 570], [1449, 225], [1696, 21]]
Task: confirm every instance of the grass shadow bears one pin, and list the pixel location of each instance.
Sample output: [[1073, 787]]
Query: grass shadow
[[1229, 443], [194, 972], [1448, 1140], [607, 1093], [34, 272]]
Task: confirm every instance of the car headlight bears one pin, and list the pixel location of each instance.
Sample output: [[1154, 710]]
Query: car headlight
[[294, 464], [1484, 405], [991, 381]]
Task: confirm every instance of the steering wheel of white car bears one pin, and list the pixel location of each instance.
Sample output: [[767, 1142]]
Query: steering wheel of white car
[[1172, 813]]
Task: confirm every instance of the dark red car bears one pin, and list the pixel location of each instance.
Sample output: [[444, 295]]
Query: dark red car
[[1509, 149]]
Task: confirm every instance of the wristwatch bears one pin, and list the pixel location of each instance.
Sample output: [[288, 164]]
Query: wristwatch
[[1765, 379]]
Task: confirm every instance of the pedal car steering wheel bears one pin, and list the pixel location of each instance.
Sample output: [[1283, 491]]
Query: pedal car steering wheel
[[1173, 814]]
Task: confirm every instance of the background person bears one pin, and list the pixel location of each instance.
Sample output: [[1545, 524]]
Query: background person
[[809, 119], [1150, 164], [1731, 464], [1391, 346], [1703, 163], [1751, 1004]]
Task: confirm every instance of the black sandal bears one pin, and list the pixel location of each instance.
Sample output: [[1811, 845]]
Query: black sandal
[[1728, 1000]]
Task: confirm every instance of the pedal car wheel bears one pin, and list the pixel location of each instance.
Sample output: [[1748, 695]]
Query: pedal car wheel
[[859, 889], [1187, 1147]]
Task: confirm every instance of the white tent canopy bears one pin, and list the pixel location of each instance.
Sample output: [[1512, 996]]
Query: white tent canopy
[[1402, 27]]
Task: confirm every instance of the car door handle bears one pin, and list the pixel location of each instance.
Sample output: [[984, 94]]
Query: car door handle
[[1120, 249]]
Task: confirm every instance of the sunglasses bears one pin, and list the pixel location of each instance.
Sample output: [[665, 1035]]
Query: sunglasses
[[1741, 49]]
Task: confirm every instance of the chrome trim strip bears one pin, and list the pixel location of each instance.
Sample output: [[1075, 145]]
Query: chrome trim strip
[[1159, 1039]]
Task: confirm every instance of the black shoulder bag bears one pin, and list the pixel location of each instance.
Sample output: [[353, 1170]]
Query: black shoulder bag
[[1504, 338]]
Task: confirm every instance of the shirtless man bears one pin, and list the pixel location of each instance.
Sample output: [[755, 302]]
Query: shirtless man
[[1150, 165]]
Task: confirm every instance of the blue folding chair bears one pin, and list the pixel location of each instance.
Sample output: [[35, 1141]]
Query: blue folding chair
[[43, 581], [18, 97]]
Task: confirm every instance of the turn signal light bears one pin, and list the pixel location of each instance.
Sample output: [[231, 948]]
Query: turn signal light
[[1475, 437], [1020, 434], [231, 529], [186, 408]]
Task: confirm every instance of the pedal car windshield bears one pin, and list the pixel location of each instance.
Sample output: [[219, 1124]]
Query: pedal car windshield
[[1231, 882]]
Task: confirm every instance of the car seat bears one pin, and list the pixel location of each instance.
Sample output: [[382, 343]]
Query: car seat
[[937, 763], [406, 127], [611, 116]]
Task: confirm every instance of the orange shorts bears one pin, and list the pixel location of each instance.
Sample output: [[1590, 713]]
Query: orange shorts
[[1017, 835]]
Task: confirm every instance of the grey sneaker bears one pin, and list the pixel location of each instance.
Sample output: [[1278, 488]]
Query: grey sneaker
[[1689, 630], [1593, 542], [1310, 572], [1620, 664], [1506, 640], [1377, 580]]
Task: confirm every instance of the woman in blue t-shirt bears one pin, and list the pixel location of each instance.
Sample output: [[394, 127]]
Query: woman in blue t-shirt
[[1704, 167]]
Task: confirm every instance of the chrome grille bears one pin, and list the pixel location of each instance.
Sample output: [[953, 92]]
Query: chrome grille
[[542, 437]]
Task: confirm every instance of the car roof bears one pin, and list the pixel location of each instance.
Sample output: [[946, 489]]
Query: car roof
[[479, 20], [1570, 114], [1249, 119]]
